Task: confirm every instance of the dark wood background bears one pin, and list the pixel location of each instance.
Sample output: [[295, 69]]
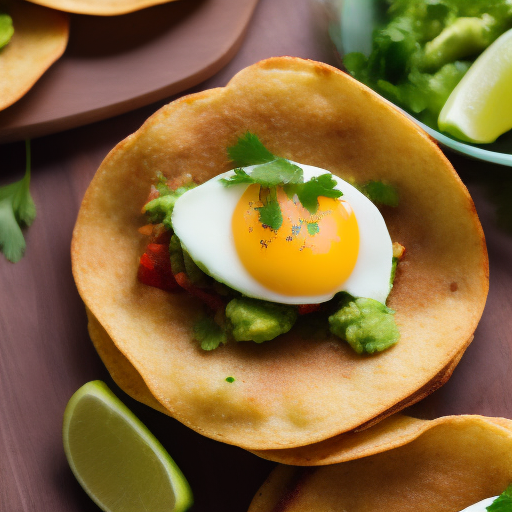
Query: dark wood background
[[115, 64], [46, 354]]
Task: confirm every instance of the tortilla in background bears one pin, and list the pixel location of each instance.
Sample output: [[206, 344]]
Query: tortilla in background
[[40, 38], [291, 391], [443, 465], [99, 7]]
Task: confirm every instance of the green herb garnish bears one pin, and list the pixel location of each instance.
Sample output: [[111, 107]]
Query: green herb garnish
[[313, 228], [6, 29], [230, 379], [309, 192], [209, 333], [16, 209], [380, 193], [503, 503], [249, 150], [272, 171]]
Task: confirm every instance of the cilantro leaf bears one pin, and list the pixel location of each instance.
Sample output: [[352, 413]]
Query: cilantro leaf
[[309, 192], [12, 242], [271, 171], [239, 178], [380, 193], [278, 172], [16, 208], [270, 212], [313, 228], [249, 150], [503, 503], [209, 334], [6, 29]]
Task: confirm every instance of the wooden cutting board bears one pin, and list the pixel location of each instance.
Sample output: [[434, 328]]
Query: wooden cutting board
[[116, 64]]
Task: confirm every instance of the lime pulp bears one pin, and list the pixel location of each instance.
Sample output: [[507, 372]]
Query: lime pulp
[[115, 458], [479, 109]]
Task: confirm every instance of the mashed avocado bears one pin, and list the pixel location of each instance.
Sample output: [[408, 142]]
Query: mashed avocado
[[366, 324], [159, 210], [259, 320], [425, 49]]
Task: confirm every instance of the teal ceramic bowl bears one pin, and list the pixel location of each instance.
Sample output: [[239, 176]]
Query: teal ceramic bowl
[[350, 29]]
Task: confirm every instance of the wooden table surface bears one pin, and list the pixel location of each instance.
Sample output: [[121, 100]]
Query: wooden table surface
[[114, 64], [46, 354]]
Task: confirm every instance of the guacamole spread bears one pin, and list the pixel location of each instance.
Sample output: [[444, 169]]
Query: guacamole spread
[[425, 48], [366, 324]]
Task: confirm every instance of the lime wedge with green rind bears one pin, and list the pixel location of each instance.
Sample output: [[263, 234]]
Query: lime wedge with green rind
[[479, 109], [117, 461]]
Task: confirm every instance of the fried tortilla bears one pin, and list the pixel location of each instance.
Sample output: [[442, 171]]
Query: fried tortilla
[[40, 38], [383, 434], [99, 7], [291, 391], [441, 465]]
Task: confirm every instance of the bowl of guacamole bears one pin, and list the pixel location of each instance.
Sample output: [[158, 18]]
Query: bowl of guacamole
[[415, 52]]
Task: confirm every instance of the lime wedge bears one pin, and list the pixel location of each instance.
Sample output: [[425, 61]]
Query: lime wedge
[[480, 108], [117, 461]]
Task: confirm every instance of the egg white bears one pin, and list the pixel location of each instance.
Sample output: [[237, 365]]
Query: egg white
[[202, 220]]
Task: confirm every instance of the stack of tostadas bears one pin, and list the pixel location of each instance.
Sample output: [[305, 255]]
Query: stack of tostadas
[[294, 400]]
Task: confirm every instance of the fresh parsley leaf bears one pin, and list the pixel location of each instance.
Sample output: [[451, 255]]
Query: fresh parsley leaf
[[209, 334], [278, 172], [6, 29], [503, 503], [270, 212], [380, 193], [313, 228], [309, 192], [249, 151], [230, 379], [16, 209]]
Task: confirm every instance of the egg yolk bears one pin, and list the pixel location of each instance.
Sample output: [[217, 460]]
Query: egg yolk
[[310, 254]]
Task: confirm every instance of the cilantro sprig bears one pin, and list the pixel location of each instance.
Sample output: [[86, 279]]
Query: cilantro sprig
[[503, 503], [271, 172], [16, 209]]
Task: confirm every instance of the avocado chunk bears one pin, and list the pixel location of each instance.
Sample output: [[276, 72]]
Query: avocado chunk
[[256, 320], [465, 37], [160, 209], [366, 324]]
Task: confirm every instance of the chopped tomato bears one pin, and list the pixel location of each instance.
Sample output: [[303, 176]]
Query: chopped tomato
[[211, 299], [146, 230], [153, 194], [155, 268], [304, 309], [160, 235], [179, 181]]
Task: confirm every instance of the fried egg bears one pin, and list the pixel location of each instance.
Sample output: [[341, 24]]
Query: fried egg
[[343, 246]]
